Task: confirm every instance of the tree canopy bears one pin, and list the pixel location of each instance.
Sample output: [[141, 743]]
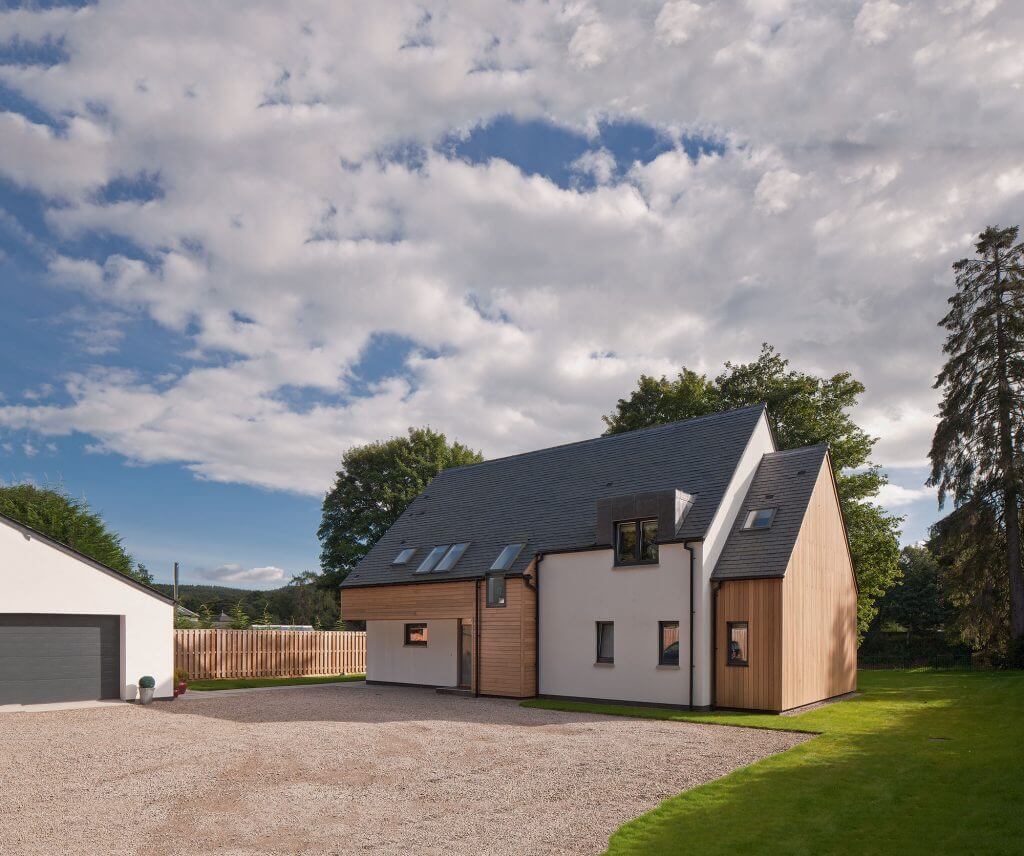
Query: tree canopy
[[55, 513], [374, 485], [804, 410], [975, 452], [918, 602]]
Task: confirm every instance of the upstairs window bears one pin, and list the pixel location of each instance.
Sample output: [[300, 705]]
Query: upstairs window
[[605, 641], [433, 557], [759, 518], [738, 635], [404, 556], [506, 557], [636, 542], [495, 590]]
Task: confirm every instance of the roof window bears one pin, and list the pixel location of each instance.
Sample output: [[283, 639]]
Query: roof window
[[506, 557], [433, 557], [451, 557], [404, 556], [759, 518]]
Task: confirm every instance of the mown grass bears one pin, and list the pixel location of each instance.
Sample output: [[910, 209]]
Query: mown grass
[[920, 762], [252, 683]]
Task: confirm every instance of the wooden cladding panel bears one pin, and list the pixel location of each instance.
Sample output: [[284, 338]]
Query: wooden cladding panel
[[508, 648], [408, 602], [819, 605], [757, 686]]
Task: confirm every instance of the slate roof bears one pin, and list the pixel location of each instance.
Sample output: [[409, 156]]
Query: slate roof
[[547, 499], [784, 481]]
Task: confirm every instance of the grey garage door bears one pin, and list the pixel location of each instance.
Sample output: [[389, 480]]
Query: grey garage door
[[46, 658]]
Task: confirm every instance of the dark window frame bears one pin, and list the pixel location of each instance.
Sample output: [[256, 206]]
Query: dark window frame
[[504, 591], [774, 509], [408, 643], [638, 525], [597, 640], [661, 643], [729, 659]]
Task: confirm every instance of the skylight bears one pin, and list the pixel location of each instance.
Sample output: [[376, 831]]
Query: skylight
[[506, 557], [451, 557], [759, 518], [404, 556], [433, 557]]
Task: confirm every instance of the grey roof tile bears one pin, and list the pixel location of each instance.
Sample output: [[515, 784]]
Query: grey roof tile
[[547, 499], [784, 481]]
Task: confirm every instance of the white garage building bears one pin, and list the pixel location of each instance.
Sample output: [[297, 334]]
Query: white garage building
[[72, 629]]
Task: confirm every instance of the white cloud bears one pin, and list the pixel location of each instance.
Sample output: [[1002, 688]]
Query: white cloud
[[280, 244], [234, 574], [894, 496]]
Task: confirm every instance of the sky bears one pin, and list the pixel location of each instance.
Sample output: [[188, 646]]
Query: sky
[[235, 243]]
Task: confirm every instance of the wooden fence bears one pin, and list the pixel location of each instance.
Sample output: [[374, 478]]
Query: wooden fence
[[209, 654]]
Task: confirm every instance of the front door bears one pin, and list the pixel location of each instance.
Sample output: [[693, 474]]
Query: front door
[[465, 655]]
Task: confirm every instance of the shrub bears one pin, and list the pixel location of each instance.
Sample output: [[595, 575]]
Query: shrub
[[180, 676], [147, 682]]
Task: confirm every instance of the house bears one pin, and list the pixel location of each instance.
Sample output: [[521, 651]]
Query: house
[[72, 629], [691, 564], [187, 614]]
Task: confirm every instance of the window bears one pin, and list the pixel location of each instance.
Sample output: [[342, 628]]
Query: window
[[495, 590], [433, 557], [605, 642], [506, 557], [668, 643], [451, 557], [416, 635], [738, 635], [636, 542], [759, 518], [404, 556]]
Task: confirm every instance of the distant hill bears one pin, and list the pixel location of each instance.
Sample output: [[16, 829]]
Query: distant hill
[[299, 604]]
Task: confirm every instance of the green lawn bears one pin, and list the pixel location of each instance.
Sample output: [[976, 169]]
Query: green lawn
[[921, 762], [251, 683]]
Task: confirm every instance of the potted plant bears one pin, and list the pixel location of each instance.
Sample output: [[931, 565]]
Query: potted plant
[[180, 682], [146, 685]]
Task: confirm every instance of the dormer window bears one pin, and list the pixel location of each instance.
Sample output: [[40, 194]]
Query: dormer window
[[759, 518], [636, 542]]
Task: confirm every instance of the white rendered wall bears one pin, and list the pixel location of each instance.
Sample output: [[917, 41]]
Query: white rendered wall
[[37, 577], [760, 444], [388, 658], [579, 589]]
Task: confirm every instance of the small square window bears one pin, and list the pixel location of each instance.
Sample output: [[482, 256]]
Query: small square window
[[668, 643], [416, 635], [759, 518], [404, 557], [605, 642], [495, 590], [738, 635]]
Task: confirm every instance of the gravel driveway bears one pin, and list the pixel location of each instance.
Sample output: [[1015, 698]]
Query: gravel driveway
[[345, 768]]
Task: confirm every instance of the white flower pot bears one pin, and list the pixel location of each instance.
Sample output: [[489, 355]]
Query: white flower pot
[[145, 695]]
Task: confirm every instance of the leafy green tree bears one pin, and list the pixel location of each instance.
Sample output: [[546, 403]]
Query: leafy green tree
[[267, 618], [969, 545], [804, 410], [183, 622], [374, 486], [71, 521], [239, 620], [917, 603], [205, 616], [975, 452]]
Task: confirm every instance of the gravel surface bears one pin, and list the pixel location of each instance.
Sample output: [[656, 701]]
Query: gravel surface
[[345, 768]]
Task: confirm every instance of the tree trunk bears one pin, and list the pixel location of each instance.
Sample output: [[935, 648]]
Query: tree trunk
[[1011, 493]]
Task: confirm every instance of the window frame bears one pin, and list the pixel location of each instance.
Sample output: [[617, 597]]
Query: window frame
[[729, 659], [661, 642], [437, 552], [504, 591], [398, 560], [751, 516], [608, 661], [456, 550], [408, 643], [638, 525], [514, 550]]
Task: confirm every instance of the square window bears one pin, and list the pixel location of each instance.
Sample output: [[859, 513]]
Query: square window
[[759, 518], [738, 635], [495, 590], [668, 643], [636, 542], [605, 642], [416, 635]]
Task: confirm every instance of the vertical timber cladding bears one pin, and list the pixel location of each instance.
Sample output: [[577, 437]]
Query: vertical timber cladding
[[757, 686], [820, 605], [508, 642]]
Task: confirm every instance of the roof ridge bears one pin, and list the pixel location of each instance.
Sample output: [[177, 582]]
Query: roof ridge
[[778, 453], [609, 437]]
